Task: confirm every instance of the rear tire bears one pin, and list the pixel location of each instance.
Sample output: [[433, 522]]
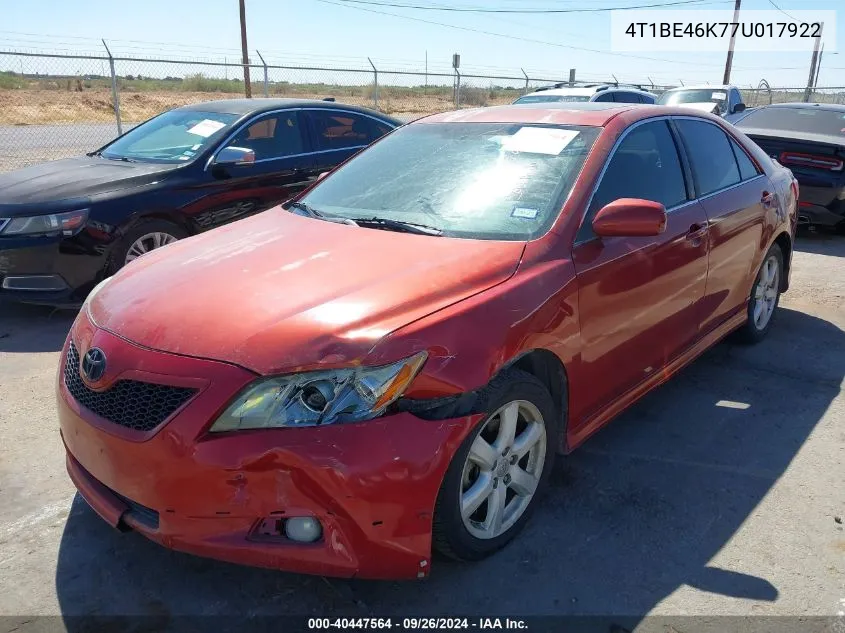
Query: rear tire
[[492, 485], [764, 298], [143, 237]]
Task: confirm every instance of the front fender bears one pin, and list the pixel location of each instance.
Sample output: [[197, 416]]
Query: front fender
[[470, 341]]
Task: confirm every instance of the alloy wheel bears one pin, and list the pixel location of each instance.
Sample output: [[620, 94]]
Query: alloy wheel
[[766, 292], [147, 243], [502, 470]]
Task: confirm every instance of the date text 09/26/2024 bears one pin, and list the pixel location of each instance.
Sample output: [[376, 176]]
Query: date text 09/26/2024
[[416, 624]]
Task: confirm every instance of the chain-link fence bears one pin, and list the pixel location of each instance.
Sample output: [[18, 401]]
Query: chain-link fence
[[765, 96], [54, 106]]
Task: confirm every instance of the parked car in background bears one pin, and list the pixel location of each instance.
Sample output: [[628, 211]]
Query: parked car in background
[[601, 93], [809, 138], [66, 224], [720, 100], [390, 362]]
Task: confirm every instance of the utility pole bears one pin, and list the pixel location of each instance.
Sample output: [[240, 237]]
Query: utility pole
[[730, 60], [247, 83], [818, 68], [814, 62]]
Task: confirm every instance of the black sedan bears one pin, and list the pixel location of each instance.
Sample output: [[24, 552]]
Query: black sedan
[[809, 138], [66, 224]]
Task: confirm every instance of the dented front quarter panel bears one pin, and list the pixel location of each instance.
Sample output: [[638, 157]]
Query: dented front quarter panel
[[469, 342]]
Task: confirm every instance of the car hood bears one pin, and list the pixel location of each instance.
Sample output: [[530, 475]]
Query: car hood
[[279, 292], [704, 106], [77, 178]]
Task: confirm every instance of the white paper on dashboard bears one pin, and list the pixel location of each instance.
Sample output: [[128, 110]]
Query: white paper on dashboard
[[206, 128], [539, 140]]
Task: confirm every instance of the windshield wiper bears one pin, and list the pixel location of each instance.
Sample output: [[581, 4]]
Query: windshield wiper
[[100, 154], [311, 212], [399, 225]]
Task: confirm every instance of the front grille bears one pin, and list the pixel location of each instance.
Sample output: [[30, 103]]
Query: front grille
[[133, 404]]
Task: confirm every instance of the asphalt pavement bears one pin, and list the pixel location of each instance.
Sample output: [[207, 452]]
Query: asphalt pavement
[[23, 145], [721, 493]]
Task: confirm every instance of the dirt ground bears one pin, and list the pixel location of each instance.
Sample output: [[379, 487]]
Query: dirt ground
[[34, 107], [684, 507]]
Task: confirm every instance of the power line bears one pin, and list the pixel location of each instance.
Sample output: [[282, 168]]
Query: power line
[[771, 2], [515, 37], [529, 11]]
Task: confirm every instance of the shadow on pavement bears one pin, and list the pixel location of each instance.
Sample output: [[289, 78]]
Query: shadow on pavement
[[821, 243], [33, 328], [632, 516]]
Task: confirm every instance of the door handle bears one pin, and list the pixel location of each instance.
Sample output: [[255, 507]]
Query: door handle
[[697, 231], [767, 199]]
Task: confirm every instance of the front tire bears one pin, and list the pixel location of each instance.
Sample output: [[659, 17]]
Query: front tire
[[764, 298], [501, 469], [145, 236]]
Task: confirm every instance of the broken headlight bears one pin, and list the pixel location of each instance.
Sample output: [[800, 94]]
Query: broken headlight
[[319, 397]]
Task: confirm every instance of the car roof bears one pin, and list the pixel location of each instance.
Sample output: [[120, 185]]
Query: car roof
[[834, 107], [575, 92], [265, 104], [703, 87], [586, 91], [588, 113], [554, 113], [628, 89]]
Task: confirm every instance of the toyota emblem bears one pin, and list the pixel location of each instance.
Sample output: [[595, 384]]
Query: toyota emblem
[[94, 364]]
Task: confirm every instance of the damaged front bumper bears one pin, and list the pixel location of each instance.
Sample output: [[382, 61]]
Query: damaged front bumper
[[371, 485]]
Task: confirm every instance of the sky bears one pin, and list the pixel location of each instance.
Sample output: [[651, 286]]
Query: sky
[[341, 34]]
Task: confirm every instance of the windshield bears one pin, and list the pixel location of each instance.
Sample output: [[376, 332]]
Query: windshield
[[679, 97], [813, 120], [551, 98], [500, 181], [173, 137]]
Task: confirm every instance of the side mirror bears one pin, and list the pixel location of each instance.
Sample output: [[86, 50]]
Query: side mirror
[[322, 175], [630, 217], [739, 107], [235, 156]]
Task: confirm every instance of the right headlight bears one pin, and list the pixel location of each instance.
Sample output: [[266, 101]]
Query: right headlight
[[319, 397]]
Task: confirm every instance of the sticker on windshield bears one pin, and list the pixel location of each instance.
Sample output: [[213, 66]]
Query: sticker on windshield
[[524, 212], [197, 146], [539, 140], [718, 95], [206, 128]]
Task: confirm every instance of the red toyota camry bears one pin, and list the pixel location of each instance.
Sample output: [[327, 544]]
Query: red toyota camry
[[389, 364]]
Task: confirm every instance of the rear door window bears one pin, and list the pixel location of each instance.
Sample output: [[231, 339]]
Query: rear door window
[[646, 165], [626, 97], [713, 163], [747, 168], [342, 130], [607, 96]]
